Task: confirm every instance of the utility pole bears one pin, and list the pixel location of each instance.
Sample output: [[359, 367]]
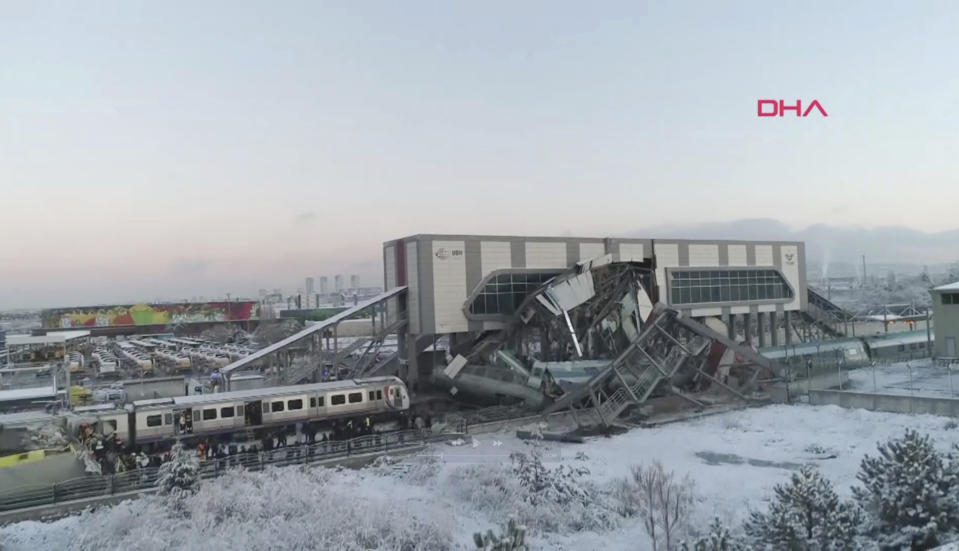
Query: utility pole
[[863, 270]]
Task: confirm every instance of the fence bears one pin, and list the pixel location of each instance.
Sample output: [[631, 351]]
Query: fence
[[144, 479], [917, 377]]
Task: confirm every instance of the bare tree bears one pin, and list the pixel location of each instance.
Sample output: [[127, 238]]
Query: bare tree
[[664, 503]]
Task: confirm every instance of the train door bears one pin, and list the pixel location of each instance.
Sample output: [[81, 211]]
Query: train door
[[183, 420], [253, 413]]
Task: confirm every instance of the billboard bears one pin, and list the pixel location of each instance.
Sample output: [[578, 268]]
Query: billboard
[[149, 314]]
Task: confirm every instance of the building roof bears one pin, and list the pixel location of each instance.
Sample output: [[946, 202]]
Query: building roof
[[53, 337], [947, 287], [201, 399], [31, 393]]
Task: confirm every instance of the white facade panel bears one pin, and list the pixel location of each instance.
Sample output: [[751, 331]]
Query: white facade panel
[[736, 254], [390, 268], [703, 255], [546, 254], [449, 286], [412, 284], [631, 252], [495, 255], [588, 251], [739, 310], [790, 269], [707, 312], [667, 256], [767, 307], [764, 255]]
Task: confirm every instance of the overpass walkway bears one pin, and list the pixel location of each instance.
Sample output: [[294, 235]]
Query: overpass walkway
[[386, 317]]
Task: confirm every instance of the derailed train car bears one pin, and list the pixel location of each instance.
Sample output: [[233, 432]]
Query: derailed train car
[[146, 422]]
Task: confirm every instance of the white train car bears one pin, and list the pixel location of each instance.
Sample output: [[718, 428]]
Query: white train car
[[208, 414]]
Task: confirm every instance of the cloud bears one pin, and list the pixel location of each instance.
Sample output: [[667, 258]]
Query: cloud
[[305, 217]]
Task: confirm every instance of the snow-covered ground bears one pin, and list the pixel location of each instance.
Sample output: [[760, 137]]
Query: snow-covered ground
[[918, 377], [437, 500]]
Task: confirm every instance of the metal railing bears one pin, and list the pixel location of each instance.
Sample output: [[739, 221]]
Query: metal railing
[[95, 485]]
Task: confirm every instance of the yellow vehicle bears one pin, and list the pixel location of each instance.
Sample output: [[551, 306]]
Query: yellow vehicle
[[80, 396], [28, 457]]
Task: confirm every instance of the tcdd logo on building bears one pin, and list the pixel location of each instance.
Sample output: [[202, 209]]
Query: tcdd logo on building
[[443, 254], [774, 107]]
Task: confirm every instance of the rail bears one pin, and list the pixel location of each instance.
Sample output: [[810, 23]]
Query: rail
[[139, 480]]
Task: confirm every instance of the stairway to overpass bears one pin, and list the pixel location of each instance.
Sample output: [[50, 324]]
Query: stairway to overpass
[[826, 315], [386, 317]]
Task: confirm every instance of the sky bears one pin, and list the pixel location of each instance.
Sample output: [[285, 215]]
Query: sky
[[166, 150]]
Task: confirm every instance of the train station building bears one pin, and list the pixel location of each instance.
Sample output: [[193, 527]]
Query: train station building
[[465, 285]]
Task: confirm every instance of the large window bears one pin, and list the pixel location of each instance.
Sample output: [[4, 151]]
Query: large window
[[709, 286], [950, 298], [502, 294]]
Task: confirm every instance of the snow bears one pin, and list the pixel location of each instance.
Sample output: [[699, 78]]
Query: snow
[[450, 492]]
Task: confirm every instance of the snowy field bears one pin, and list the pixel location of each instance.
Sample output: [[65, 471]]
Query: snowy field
[[437, 501], [918, 378]]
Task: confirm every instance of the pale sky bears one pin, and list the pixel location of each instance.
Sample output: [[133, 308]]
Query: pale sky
[[170, 149]]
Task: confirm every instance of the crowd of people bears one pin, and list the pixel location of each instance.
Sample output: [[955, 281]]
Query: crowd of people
[[110, 453], [112, 456]]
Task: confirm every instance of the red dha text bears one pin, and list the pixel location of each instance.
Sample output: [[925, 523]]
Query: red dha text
[[774, 107]]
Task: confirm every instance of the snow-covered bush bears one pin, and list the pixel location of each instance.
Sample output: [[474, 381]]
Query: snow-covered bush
[[180, 476], [561, 499], [289, 508], [718, 538], [910, 492], [513, 538], [805, 514]]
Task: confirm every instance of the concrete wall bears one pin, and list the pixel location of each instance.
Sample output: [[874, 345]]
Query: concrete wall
[[947, 407]]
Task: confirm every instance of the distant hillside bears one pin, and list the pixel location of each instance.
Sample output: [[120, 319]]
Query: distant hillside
[[838, 248]]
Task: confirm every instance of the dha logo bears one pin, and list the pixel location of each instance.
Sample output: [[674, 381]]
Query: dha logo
[[790, 258], [772, 108]]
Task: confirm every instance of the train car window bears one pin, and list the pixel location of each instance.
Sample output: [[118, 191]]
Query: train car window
[[372, 395], [196, 415], [209, 414], [338, 399], [379, 394], [277, 406], [319, 401], [168, 419], [154, 420], [312, 402], [239, 410], [266, 407], [294, 404], [356, 397], [226, 412]]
